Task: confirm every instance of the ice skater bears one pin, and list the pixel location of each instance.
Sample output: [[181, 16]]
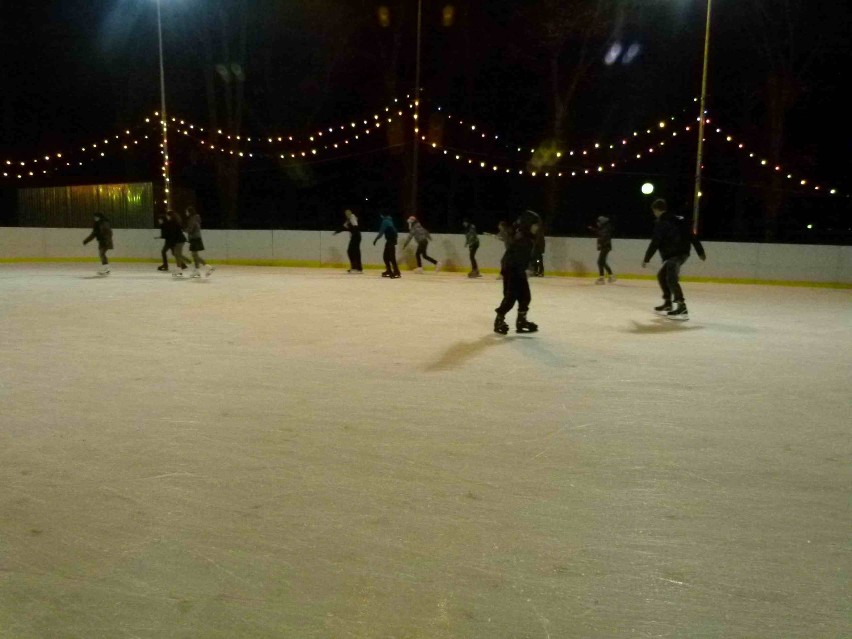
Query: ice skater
[[354, 248], [389, 232], [673, 238], [603, 230], [471, 242], [102, 232], [422, 237], [513, 267], [537, 259], [196, 244], [173, 240]]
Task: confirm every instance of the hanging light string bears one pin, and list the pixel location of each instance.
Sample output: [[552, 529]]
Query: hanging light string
[[62, 161], [478, 131], [729, 139], [325, 146]]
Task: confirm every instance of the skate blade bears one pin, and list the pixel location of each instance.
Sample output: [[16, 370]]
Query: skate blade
[[678, 318]]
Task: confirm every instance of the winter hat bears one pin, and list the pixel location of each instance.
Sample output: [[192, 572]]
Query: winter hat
[[412, 219], [602, 219]]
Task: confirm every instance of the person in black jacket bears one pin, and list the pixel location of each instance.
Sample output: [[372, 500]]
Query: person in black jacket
[[354, 248], [537, 261], [673, 238], [102, 232], [171, 232], [513, 268], [604, 232]]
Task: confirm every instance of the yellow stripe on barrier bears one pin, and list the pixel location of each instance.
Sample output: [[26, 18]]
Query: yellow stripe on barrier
[[317, 264]]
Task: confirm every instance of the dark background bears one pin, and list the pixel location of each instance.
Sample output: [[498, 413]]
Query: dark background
[[78, 71]]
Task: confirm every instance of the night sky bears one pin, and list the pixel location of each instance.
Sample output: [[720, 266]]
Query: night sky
[[78, 70]]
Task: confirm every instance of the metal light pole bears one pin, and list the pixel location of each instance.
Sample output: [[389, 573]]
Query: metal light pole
[[701, 118], [164, 120], [416, 151]]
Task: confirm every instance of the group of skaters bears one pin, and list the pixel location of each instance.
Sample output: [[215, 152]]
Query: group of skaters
[[523, 255], [173, 231]]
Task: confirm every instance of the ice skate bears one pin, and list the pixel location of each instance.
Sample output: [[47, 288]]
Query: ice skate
[[474, 274], [419, 270], [177, 275], [500, 325], [396, 276], [439, 266], [665, 307], [611, 279], [103, 271], [162, 267], [678, 313], [195, 273], [387, 274], [209, 271], [600, 280], [522, 325]]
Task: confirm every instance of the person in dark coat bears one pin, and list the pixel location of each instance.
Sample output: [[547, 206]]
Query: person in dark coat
[[354, 248], [537, 260], [102, 232], [389, 232], [173, 238], [673, 239], [603, 230], [513, 268]]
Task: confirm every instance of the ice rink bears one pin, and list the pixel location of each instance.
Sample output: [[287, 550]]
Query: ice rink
[[302, 453]]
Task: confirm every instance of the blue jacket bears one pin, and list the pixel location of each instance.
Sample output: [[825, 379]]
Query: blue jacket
[[387, 229]]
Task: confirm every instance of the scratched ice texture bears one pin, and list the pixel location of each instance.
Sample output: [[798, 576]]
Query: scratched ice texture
[[304, 453]]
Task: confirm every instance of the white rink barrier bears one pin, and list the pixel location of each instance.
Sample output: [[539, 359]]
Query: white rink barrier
[[727, 261]]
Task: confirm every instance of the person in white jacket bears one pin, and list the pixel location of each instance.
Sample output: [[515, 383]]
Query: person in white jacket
[[422, 237]]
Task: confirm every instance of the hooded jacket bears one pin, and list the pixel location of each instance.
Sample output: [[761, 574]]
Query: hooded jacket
[[418, 233], [673, 238]]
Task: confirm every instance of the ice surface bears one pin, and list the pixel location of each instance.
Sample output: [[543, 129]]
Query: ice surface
[[304, 453]]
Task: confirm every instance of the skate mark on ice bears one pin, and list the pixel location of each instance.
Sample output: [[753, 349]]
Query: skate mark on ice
[[541, 351], [462, 352], [662, 326]]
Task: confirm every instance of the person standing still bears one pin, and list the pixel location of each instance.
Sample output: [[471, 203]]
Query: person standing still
[[353, 251], [604, 232]]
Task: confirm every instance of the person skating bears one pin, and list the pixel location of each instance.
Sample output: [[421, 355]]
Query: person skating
[[603, 230], [196, 244], [673, 238], [513, 267], [422, 237], [388, 231], [102, 232], [537, 259], [174, 240], [471, 242], [354, 248], [164, 252]]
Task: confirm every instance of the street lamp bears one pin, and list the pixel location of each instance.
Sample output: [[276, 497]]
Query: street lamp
[[701, 119], [416, 151], [163, 118]]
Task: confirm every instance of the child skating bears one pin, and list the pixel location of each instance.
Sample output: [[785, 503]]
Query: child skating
[[603, 230], [102, 232], [388, 231], [354, 248], [196, 244], [513, 267], [422, 237], [471, 242], [673, 238]]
